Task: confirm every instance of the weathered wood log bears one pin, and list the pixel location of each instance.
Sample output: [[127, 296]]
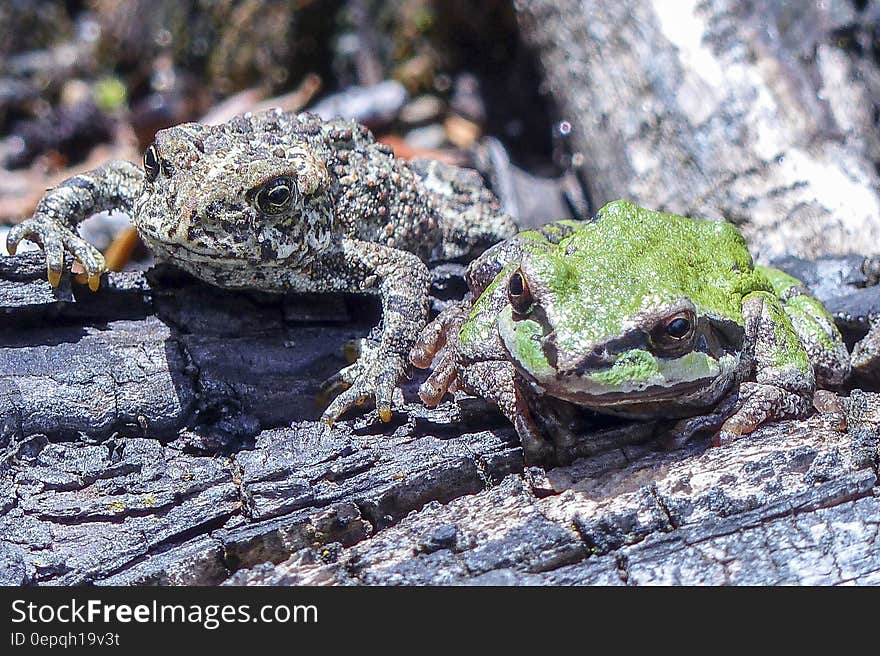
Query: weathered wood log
[[752, 112], [162, 431]]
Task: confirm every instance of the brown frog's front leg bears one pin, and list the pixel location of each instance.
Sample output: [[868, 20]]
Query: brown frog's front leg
[[114, 185], [402, 281]]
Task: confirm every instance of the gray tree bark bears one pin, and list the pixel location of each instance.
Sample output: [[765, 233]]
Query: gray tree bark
[[747, 111]]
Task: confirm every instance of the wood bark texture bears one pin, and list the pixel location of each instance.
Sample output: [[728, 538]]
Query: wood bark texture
[[749, 111], [162, 431]]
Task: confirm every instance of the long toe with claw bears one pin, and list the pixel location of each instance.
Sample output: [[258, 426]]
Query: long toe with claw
[[57, 239], [370, 376]]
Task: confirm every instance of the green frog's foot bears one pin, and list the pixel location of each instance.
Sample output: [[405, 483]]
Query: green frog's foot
[[760, 403], [439, 335], [57, 239], [441, 380]]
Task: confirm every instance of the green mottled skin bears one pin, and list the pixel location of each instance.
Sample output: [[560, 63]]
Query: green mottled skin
[[803, 310], [787, 346], [781, 283], [667, 257], [603, 294]]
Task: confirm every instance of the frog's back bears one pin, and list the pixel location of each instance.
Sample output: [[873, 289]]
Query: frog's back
[[647, 255], [662, 241]]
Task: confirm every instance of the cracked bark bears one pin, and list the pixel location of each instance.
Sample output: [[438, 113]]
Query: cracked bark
[[210, 468]]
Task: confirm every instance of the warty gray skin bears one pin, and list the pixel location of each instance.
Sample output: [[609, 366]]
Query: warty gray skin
[[287, 202]]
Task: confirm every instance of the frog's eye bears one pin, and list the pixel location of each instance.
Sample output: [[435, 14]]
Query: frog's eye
[[679, 327], [674, 332], [151, 162], [519, 295], [276, 195]]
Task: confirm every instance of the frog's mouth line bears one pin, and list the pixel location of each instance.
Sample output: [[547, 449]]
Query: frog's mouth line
[[700, 390], [172, 247], [653, 394], [172, 251]]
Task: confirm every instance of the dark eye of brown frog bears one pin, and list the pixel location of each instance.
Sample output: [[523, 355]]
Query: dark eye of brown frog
[[275, 196], [675, 332], [151, 162], [519, 295]]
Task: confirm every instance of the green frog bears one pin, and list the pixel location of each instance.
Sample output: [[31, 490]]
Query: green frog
[[638, 314]]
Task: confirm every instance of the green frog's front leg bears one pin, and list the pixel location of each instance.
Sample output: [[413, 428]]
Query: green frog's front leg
[[781, 381], [114, 185], [403, 281], [440, 336], [814, 326], [498, 382], [483, 372]]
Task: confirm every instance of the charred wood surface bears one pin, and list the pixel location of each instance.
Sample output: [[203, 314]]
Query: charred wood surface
[[162, 431]]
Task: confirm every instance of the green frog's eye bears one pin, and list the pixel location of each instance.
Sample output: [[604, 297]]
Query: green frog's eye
[[276, 195], [679, 327], [151, 162], [519, 295], [674, 332]]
